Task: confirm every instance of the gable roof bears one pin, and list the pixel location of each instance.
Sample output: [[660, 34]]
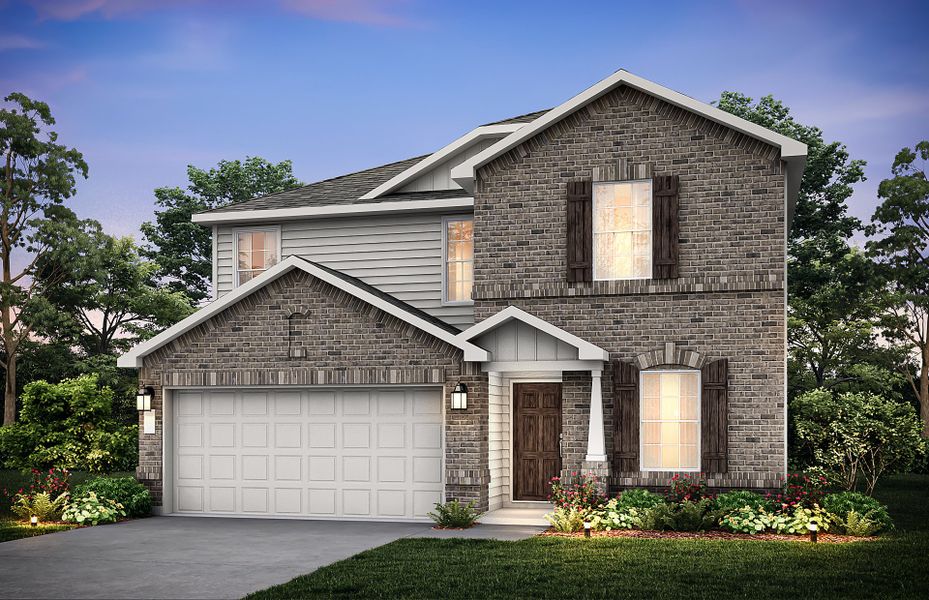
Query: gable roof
[[526, 118], [792, 151], [355, 287], [585, 350]]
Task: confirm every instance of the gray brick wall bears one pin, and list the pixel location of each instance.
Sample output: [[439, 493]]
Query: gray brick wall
[[728, 302]]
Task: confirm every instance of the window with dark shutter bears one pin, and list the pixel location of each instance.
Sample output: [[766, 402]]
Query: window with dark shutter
[[714, 429], [625, 416], [665, 226], [580, 231]]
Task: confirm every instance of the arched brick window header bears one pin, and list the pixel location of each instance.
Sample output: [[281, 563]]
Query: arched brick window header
[[670, 355]]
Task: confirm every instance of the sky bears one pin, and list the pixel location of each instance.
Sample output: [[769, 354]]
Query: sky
[[144, 88]]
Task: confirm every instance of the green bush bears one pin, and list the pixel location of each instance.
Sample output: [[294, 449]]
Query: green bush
[[39, 504], [731, 501], [868, 512], [681, 516], [639, 498], [91, 510], [802, 517], [566, 519], [134, 497], [612, 516], [69, 425], [455, 515]]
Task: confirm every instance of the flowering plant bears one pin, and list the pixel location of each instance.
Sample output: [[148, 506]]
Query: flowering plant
[[45, 496], [799, 490], [582, 493], [687, 488]]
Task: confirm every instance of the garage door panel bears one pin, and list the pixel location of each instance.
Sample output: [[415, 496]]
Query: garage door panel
[[354, 453]]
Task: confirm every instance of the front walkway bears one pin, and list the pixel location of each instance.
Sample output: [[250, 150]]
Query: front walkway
[[188, 557]]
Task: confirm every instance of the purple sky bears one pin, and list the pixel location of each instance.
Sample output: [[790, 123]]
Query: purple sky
[[145, 87]]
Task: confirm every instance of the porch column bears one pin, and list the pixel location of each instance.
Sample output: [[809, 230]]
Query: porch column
[[596, 443]]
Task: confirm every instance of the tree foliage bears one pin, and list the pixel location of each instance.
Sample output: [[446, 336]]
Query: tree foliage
[[900, 244], [183, 250]]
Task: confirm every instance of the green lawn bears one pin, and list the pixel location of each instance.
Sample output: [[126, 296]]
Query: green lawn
[[12, 480], [894, 567]]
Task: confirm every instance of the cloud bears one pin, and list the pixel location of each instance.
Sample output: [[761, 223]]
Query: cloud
[[379, 13], [15, 41]]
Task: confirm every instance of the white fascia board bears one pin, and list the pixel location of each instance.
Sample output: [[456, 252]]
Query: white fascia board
[[335, 210], [473, 136], [585, 350], [133, 358], [464, 173]]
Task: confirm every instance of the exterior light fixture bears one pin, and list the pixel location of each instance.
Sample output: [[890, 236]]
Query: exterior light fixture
[[34, 521], [814, 529], [143, 398], [460, 396], [586, 529]]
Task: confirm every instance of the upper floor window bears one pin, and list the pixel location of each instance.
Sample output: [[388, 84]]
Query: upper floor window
[[459, 259], [670, 420], [622, 230], [256, 251]]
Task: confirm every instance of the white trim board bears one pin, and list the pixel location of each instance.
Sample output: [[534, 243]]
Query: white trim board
[[585, 350], [133, 358], [792, 151], [475, 135], [334, 210]]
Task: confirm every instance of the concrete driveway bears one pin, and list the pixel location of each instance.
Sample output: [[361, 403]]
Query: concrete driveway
[[185, 557]]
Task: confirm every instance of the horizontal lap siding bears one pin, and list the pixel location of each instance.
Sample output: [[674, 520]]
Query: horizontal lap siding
[[401, 255]]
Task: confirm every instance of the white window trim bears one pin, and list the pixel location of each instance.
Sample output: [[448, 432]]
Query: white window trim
[[699, 422], [235, 248], [445, 301], [651, 228]]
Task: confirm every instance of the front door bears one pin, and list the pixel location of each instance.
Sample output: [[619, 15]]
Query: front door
[[536, 439]]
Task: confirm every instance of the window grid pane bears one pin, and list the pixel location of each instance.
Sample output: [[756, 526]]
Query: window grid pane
[[622, 230], [459, 260], [256, 251], [670, 420]]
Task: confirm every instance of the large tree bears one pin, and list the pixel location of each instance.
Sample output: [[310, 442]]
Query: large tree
[[183, 250], [900, 242], [39, 174], [832, 293]]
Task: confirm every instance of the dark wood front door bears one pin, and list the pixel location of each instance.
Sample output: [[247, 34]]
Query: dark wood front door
[[536, 439]]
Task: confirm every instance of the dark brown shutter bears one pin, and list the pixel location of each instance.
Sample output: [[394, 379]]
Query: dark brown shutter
[[625, 416], [580, 231], [714, 428], [665, 226]]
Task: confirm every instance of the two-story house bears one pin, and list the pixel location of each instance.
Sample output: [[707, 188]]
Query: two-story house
[[596, 288]]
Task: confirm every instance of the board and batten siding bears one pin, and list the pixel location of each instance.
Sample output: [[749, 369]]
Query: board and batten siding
[[398, 254], [439, 177]]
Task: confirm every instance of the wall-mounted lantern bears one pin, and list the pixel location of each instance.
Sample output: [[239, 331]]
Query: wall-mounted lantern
[[143, 398], [460, 396]]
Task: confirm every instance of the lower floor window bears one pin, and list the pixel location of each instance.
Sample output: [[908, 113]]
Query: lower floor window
[[670, 422]]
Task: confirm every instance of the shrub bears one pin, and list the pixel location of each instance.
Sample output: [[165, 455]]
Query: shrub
[[638, 498], [858, 525], [732, 501], [134, 497], [681, 516], [566, 519], [91, 510], [686, 487], [865, 509], [799, 490], [857, 433], [582, 493], [747, 519], [69, 425], [613, 515], [40, 504], [454, 515], [802, 517]]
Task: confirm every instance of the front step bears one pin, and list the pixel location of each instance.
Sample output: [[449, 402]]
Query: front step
[[528, 515]]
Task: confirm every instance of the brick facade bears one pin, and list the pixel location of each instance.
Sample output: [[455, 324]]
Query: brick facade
[[344, 341], [729, 300]]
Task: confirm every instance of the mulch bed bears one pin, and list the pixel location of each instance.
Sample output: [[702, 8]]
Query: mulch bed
[[823, 538]]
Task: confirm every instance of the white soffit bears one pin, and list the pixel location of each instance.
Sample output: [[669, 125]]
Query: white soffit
[[475, 135], [585, 350], [133, 358]]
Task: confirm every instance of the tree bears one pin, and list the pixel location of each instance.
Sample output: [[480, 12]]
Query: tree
[[183, 250], [833, 294], [900, 232], [38, 175]]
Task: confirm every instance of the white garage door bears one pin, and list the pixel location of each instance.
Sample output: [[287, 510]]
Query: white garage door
[[337, 453]]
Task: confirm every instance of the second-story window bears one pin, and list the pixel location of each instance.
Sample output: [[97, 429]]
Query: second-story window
[[459, 259], [256, 251], [622, 230]]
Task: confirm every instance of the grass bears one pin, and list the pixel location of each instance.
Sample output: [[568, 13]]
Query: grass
[[892, 567], [12, 480]]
